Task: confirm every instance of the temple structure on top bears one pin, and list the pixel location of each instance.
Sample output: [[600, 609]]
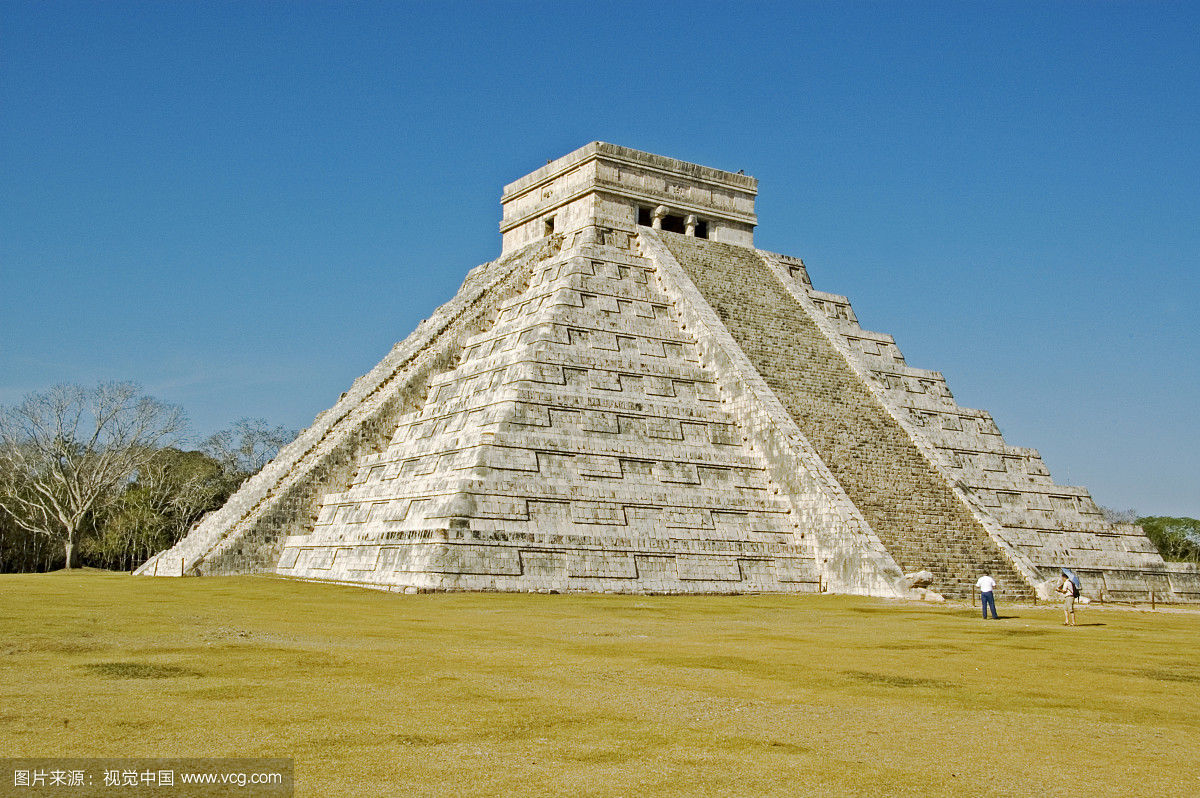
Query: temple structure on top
[[620, 188], [632, 398]]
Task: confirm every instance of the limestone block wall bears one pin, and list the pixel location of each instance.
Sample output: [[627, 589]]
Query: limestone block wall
[[906, 501], [1009, 487], [578, 444], [1185, 580]]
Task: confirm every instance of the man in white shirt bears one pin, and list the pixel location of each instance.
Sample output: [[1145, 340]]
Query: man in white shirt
[[986, 585]]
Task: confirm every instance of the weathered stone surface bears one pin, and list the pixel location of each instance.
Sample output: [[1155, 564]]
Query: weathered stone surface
[[658, 407], [925, 594], [922, 578]]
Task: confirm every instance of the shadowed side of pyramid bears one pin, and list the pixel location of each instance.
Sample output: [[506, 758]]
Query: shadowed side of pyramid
[[912, 509]]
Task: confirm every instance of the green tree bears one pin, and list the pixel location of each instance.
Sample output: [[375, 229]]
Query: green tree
[[1176, 539], [170, 492]]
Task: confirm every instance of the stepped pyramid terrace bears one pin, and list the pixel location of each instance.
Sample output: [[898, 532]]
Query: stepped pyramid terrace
[[632, 398]]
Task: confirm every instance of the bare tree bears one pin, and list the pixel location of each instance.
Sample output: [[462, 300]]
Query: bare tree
[[248, 445], [66, 452], [1115, 516]]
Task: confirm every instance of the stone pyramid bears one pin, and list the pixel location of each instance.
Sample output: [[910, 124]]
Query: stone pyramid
[[634, 399]]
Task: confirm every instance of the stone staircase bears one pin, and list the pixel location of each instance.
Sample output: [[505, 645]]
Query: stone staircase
[[246, 534], [909, 505]]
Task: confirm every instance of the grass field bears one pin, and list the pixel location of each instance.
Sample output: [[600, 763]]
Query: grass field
[[376, 694]]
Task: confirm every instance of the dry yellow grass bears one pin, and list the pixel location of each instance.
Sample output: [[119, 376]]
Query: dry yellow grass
[[480, 695]]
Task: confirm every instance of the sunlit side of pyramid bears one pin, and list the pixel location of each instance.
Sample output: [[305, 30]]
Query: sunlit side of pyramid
[[634, 399]]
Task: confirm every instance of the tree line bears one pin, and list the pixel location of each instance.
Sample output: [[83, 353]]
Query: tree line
[[1176, 539], [101, 476]]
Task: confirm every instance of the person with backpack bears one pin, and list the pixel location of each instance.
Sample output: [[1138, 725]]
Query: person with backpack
[[1069, 591]]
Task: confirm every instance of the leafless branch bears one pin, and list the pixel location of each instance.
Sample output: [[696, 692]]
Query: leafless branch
[[68, 450]]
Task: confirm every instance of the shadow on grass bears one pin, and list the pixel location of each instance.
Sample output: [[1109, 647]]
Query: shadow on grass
[[931, 647], [1170, 676], [886, 611], [892, 680], [974, 615], [751, 744], [600, 757], [136, 670]]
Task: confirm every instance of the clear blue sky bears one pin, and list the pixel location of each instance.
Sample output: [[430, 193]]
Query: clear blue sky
[[243, 206]]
